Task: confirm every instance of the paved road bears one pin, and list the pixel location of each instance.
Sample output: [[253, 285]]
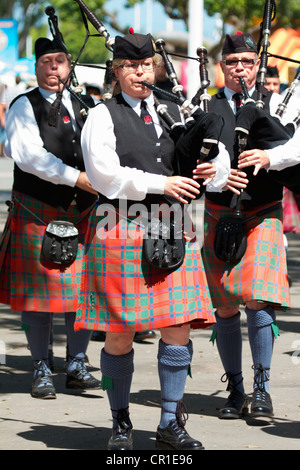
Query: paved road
[[81, 421]]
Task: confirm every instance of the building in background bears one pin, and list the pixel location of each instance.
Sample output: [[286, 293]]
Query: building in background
[[10, 64]]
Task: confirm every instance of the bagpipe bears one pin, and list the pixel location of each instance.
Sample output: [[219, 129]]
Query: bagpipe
[[256, 128], [262, 130], [196, 140]]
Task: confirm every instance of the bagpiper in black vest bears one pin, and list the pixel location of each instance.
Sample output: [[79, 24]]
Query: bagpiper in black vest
[[64, 143], [261, 188]]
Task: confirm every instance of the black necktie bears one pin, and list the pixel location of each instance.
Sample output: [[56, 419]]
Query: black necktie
[[54, 110], [147, 118], [238, 100]]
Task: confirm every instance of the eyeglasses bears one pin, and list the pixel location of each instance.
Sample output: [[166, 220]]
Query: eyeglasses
[[234, 62], [133, 66]]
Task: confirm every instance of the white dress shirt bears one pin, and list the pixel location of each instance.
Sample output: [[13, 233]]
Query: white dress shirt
[[288, 154], [25, 145]]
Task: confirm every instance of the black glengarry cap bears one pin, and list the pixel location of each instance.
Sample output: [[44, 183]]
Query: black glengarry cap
[[240, 42], [133, 46], [46, 46]]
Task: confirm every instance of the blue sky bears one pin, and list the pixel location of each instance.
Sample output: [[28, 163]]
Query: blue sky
[[157, 20]]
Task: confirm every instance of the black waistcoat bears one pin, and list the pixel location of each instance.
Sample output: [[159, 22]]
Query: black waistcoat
[[64, 143], [261, 188], [136, 147]]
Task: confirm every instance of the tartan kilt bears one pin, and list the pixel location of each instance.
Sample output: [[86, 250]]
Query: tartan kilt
[[121, 292], [291, 214], [27, 282], [261, 274]]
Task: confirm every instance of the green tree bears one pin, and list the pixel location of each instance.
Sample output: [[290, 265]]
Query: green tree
[[245, 15]]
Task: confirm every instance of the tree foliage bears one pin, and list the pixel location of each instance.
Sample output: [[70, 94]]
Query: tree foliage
[[245, 15]]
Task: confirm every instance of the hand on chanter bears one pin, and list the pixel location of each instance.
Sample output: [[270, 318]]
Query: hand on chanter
[[258, 158], [237, 180], [181, 188], [206, 171]]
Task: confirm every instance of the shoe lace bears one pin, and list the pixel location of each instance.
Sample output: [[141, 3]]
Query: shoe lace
[[181, 414], [80, 368], [261, 376], [232, 384], [260, 395], [44, 380], [43, 373], [123, 421]]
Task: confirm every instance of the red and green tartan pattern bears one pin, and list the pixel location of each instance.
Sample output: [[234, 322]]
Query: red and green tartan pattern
[[26, 281], [262, 272], [291, 214], [121, 292]]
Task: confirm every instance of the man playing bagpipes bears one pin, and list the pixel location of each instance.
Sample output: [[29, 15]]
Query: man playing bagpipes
[[50, 183], [257, 277]]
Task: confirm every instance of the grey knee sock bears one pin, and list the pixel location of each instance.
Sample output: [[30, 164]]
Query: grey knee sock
[[173, 366], [37, 326], [117, 371], [229, 343], [78, 341]]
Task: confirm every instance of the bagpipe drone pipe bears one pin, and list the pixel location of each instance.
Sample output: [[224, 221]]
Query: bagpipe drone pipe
[[199, 142]]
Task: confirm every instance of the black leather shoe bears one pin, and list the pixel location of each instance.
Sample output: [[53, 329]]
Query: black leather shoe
[[142, 335], [261, 404], [174, 436], [80, 378], [235, 407], [42, 385], [121, 438]]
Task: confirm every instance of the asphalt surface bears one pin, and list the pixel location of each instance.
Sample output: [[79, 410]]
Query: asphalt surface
[[81, 420]]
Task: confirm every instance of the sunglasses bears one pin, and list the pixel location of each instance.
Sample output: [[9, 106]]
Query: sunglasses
[[234, 62]]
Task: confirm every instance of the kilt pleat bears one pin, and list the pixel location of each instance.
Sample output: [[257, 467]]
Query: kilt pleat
[[262, 272], [291, 214], [121, 292], [27, 281], [4, 262]]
